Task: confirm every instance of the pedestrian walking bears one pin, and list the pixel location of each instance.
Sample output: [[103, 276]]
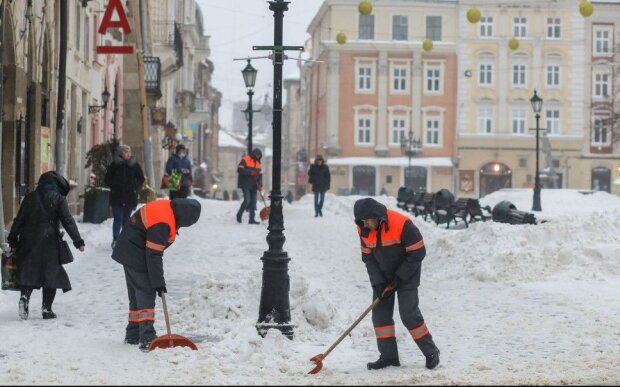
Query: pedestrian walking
[[125, 179], [250, 179], [140, 249], [319, 177], [179, 163], [35, 237], [393, 250]]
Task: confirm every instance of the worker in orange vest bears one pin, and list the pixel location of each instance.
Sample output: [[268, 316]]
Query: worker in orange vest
[[250, 179], [140, 249], [393, 250]]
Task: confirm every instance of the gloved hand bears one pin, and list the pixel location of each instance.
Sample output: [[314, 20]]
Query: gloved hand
[[377, 290], [161, 290], [78, 243], [391, 287]]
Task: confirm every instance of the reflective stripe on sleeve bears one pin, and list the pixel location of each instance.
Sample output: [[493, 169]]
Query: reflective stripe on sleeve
[[155, 246], [415, 246]]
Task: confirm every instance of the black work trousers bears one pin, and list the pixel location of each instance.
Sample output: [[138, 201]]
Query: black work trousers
[[141, 306]]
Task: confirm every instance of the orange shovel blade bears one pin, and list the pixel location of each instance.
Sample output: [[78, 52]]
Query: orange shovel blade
[[264, 213], [169, 341], [318, 360]]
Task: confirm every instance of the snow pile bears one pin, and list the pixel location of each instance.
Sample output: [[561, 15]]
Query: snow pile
[[506, 304]]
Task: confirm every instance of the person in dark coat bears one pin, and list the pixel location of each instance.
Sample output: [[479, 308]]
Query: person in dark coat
[[125, 178], [319, 177], [250, 179], [393, 250], [140, 249], [179, 162], [35, 237]]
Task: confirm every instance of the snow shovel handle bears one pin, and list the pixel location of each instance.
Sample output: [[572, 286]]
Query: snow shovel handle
[[360, 318], [163, 301], [261, 195]]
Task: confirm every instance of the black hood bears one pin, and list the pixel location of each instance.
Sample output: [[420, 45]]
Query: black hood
[[186, 211], [53, 177], [369, 208]]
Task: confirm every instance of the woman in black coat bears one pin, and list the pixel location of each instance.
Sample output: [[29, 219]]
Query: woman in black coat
[[35, 237]]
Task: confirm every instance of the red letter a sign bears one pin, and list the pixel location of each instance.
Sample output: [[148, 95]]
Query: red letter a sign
[[107, 22]]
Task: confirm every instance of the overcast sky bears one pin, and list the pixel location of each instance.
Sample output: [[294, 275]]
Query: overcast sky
[[235, 26]]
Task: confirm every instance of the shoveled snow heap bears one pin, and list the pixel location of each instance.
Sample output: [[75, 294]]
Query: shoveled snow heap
[[506, 304]]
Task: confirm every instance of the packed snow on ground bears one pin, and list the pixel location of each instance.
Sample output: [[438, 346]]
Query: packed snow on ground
[[506, 304]]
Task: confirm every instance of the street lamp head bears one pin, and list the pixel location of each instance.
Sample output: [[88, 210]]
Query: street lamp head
[[249, 75], [105, 96], [536, 103]]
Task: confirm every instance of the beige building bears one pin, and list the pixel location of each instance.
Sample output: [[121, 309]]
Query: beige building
[[601, 148], [363, 97], [495, 117]]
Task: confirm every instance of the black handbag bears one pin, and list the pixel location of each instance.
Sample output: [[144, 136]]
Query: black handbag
[[64, 251]]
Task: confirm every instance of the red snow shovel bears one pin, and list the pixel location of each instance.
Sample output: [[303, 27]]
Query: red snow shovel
[[264, 213], [170, 340], [318, 359]]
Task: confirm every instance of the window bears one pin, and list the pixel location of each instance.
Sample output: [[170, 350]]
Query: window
[[486, 26], [364, 129], [365, 77], [87, 38], [485, 72], [399, 27], [432, 131], [433, 28], [399, 78], [485, 120], [519, 27], [602, 40], [78, 26], [601, 134], [553, 27], [433, 81], [519, 118], [366, 27], [553, 121], [398, 130], [602, 84], [553, 75], [518, 75]]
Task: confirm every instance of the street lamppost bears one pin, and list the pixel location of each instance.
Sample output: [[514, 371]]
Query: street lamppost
[[410, 146], [274, 310], [537, 106], [249, 78]]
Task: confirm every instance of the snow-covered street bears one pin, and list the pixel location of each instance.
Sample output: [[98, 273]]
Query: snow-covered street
[[506, 304]]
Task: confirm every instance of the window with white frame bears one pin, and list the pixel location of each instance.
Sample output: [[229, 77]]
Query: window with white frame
[[433, 78], [601, 133], [519, 120], [433, 28], [399, 27], [399, 126], [554, 27], [78, 26], [485, 119], [365, 82], [519, 27], [366, 27], [602, 84], [364, 129], [552, 116], [87, 39], [553, 75], [519, 74], [485, 72], [602, 40], [433, 131], [486, 26], [400, 78]]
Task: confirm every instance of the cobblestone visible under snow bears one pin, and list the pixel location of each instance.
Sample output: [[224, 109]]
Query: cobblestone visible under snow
[[506, 304]]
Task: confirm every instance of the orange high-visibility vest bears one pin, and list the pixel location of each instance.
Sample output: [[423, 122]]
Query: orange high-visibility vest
[[159, 211]]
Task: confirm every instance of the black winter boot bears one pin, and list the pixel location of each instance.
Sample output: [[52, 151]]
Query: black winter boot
[[47, 313], [132, 341], [144, 345], [432, 360], [382, 363], [23, 307]]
